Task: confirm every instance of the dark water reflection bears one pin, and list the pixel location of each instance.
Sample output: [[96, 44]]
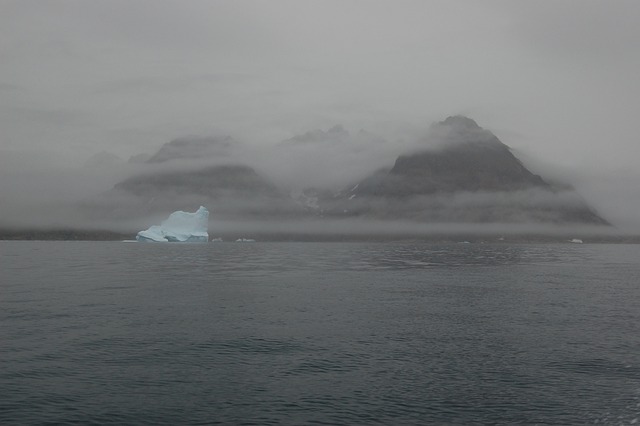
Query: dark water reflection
[[319, 333]]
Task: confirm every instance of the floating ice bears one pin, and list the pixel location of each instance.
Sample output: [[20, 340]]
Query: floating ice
[[245, 240], [179, 227], [576, 241]]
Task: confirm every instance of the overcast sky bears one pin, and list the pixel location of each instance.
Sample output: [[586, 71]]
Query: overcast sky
[[556, 79]]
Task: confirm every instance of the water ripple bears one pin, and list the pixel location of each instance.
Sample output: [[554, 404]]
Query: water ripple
[[107, 333]]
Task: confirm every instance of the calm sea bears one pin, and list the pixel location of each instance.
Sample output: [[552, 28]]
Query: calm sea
[[319, 333]]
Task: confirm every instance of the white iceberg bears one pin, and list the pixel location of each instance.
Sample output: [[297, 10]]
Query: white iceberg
[[179, 227]]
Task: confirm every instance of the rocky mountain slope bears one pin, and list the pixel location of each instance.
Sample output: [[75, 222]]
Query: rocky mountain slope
[[229, 188], [470, 159], [468, 176]]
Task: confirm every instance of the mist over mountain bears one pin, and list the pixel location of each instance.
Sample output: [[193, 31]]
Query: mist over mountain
[[194, 148], [335, 134], [103, 159], [208, 182], [466, 174], [196, 170], [459, 173]]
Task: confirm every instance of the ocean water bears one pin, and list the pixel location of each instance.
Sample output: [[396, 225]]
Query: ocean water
[[319, 333]]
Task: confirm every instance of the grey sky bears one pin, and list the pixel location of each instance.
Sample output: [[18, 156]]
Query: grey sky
[[555, 79]]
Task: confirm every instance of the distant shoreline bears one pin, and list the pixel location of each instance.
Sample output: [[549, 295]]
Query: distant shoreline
[[107, 235], [62, 234]]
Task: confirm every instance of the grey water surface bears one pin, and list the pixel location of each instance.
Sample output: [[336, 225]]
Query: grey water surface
[[319, 333]]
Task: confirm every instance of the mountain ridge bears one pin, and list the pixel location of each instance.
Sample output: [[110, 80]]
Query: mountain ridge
[[467, 175]]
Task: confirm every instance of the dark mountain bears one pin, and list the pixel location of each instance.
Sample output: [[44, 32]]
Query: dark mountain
[[211, 182], [225, 188], [470, 159], [229, 191], [471, 176]]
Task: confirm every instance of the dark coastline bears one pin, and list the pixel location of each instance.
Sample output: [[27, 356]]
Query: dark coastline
[[63, 235], [108, 235]]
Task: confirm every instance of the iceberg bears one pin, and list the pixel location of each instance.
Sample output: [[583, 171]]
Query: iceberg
[[183, 227]]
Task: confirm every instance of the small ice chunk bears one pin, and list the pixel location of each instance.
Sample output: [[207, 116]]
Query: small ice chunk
[[179, 227]]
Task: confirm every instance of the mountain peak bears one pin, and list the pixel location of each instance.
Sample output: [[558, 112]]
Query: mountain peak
[[461, 122], [335, 133], [459, 130]]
